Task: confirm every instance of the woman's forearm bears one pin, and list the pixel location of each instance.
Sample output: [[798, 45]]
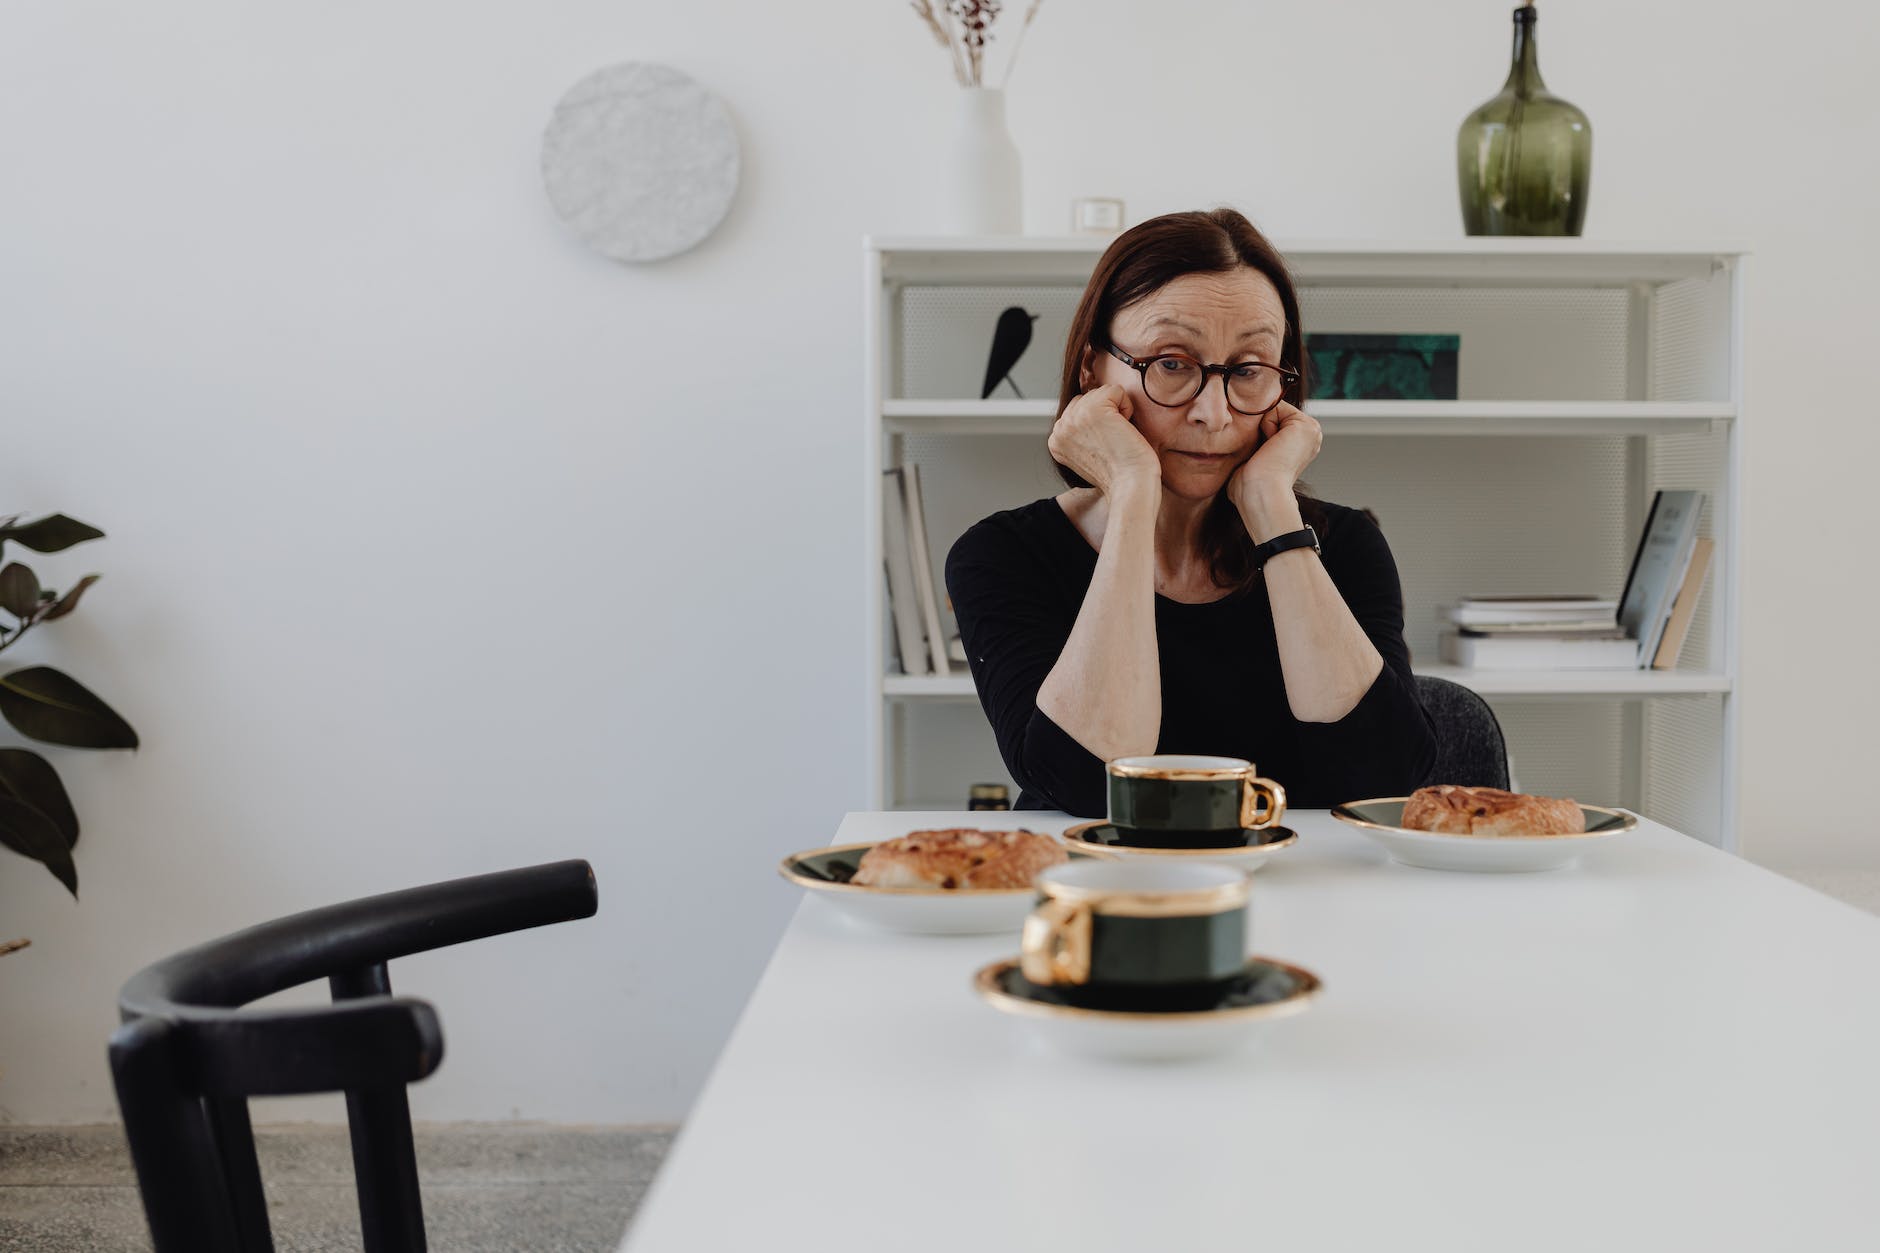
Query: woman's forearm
[[1327, 660], [1105, 691]]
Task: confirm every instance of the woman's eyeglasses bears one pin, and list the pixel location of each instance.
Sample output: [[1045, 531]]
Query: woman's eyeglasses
[[1254, 389]]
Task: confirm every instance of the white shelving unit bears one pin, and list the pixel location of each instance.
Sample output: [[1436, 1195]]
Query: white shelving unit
[[1591, 374]]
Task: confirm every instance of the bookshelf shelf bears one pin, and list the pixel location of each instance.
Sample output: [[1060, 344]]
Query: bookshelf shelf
[[928, 687], [1594, 684], [1033, 418], [1533, 684], [1626, 357], [1477, 262]]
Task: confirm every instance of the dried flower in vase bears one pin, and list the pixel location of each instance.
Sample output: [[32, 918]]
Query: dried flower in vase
[[965, 29]]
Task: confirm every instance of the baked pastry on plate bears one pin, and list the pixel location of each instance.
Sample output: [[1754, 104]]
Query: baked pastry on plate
[[955, 882], [1482, 829], [959, 858], [1452, 810]]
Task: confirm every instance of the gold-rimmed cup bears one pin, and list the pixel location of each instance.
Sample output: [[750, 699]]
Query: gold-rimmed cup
[[1188, 801], [1146, 933]]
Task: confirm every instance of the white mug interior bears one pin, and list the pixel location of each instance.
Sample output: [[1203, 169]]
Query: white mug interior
[[1183, 761]]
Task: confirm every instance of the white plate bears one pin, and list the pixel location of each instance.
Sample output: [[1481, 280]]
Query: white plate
[[1123, 1035], [1088, 837], [1378, 819], [921, 911]]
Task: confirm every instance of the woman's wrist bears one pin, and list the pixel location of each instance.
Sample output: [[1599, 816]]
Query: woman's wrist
[[1135, 493], [1269, 511]]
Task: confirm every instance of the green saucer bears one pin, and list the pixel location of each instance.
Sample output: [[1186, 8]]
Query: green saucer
[[1109, 835], [1263, 986]]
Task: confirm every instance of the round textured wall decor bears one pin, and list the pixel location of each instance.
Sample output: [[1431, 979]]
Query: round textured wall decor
[[641, 161]]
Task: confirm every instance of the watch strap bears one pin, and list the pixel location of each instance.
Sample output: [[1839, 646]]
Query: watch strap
[[1305, 537]]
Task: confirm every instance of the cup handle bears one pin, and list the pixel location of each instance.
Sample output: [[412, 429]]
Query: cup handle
[[1055, 945], [1262, 803]]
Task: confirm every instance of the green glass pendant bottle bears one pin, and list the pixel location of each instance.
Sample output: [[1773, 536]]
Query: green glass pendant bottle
[[1524, 158]]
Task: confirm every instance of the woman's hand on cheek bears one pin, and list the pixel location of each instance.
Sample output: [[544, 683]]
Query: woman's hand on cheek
[[1289, 442], [1096, 436]]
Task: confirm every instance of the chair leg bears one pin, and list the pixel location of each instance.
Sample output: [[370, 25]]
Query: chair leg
[[173, 1146], [241, 1171], [385, 1161]]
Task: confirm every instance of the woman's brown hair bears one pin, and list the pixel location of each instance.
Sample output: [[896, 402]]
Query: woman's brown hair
[[1138, 263]]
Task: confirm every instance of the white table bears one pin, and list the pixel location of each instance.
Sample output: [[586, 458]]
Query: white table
[[1665, 1048]]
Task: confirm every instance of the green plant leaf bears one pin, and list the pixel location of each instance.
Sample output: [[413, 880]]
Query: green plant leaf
[[69, 601], [50, 534], [30, 779], [19, 590], [50, 706], [31, 834]]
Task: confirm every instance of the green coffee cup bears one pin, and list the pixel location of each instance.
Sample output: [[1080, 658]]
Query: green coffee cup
[[1179, 801], [1142, 933]]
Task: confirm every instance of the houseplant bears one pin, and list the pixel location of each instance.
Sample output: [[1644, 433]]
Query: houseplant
[[44, 704]]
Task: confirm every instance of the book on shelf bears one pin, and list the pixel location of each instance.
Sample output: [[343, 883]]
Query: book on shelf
[[1506, 652], [1543, 631], [903, 604], [1550, 601], [924, 588], [1535, 632], [1473, 611], [1578, 626], [1690, 590], [1658, 568]]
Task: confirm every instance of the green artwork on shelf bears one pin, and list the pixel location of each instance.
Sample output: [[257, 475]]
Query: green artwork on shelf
[[1383, 367]]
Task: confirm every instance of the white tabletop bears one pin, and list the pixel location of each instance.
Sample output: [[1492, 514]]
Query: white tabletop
[[1663, 1048]]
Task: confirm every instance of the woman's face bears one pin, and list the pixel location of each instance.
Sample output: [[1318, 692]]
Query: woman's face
[[1218, 319]]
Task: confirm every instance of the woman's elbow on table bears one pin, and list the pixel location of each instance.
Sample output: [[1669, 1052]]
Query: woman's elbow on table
[[1385, 745], [1326, 715], [1048, 763], [1357, 707]]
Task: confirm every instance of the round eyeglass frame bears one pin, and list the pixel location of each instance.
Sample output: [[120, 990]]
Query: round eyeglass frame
[[1288, 378]]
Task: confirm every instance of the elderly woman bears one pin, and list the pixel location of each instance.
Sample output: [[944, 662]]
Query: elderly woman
[[1185, 595]]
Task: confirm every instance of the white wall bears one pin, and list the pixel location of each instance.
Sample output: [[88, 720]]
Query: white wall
[[420, 566]]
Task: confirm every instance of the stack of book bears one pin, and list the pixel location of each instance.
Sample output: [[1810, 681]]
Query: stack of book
[[1644, 629], [1536, 633], [914, 598]]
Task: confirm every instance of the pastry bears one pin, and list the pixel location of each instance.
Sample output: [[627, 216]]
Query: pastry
[[1451, 810], [959, 858]]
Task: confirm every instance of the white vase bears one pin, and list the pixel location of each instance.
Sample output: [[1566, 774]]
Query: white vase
[[984, 193]]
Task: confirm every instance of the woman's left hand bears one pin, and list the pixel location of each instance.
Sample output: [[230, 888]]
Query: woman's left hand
[[1290, 441]]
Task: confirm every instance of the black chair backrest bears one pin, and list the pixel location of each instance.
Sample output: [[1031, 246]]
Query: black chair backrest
[[1471, 750], [188, 1056]]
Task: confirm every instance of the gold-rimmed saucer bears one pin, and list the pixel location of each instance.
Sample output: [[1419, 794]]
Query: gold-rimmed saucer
[[1380, 820], [1257, 846], [1266, 992], [922, 911]]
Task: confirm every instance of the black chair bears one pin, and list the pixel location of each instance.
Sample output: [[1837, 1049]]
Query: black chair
[[188, 1057], [1470, 748]]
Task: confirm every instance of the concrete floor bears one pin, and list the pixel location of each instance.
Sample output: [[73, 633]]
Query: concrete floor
[[488, 1188], [1859, 888]]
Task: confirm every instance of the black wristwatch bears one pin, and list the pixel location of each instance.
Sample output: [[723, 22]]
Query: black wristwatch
[[1306, 538]]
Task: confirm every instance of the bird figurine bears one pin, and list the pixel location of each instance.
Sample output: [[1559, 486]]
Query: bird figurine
[[1009, 341]]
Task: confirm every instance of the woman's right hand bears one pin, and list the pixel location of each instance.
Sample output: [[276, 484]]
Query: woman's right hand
[[1095, 437]]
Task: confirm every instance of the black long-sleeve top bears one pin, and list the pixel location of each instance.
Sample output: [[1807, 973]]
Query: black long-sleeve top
[[1018, 580]]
